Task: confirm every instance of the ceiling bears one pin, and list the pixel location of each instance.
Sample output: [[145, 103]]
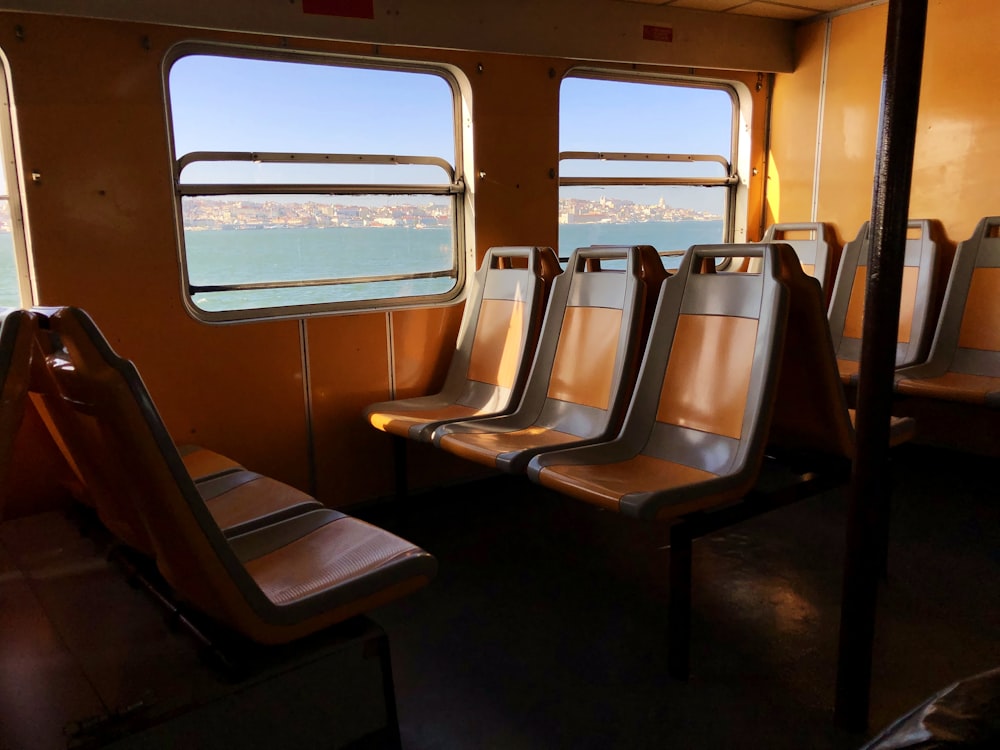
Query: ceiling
[[792, 10]]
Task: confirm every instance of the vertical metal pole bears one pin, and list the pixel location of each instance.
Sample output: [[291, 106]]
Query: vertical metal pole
[[868, 510]]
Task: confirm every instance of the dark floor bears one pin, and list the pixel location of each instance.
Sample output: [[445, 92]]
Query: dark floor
[[545, 627]]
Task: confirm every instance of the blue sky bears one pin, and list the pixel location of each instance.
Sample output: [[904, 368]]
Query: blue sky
[[240, 104]]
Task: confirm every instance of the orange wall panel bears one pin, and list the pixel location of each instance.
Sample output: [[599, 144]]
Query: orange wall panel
[[103, 238], [850, 120], [794, 115], [89, 101], [238, 391], [423, 341], [957, 121], [516, 111], [348, 362], [957, 147]]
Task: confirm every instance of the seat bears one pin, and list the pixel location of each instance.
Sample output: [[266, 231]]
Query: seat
[[695, 431], [814, 250], [962, 715], [74, 413], [847, 304], [493, 351], [17, 331], [273, 584], [204, 464], [811, 418], [738, 410], [584, 366], [964, 361], [201, 463]]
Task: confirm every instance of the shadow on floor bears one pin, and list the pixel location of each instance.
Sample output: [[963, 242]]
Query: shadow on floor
[[545, 627]]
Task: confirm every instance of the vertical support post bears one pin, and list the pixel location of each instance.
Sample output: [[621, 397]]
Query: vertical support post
[[679, 608], [868, 510]]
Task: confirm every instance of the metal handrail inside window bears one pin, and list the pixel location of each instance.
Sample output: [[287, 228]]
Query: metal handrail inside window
[[448, 188], [451, 187], [730, 179]]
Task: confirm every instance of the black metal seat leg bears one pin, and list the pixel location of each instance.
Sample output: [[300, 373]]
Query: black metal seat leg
[[392, 739], [399, 465], [679, 624]]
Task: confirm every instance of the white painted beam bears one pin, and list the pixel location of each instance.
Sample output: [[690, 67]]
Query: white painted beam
[[599, 30]]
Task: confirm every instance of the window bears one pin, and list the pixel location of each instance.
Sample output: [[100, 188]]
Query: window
[[645, 162], [15, 290], [306, 184]]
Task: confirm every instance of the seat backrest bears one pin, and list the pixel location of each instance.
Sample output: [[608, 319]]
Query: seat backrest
[[847, 305], [17, 330], [813, 249], [190, 549], [500, 325], [810, 412], [591, 341], [72, 412], [967, 339], [706, 388]]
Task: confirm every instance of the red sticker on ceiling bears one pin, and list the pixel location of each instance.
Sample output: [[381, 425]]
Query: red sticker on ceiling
[[342, 8]]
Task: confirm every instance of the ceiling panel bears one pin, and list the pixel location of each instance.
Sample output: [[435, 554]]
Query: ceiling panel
[[775, 10], [716, 5], [790, 9]]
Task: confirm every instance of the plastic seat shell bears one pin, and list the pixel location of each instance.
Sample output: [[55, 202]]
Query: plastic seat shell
[[696, 427], [17, 331], [846, 313], [964, 360], [274, 584], [493, 351], [584, 367]]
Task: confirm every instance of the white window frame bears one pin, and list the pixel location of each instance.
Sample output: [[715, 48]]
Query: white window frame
[[452, 186], [736, 166], [14, 197]]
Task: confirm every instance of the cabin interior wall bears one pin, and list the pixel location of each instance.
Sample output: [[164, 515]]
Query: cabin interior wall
[[282, 397], [958, 118]]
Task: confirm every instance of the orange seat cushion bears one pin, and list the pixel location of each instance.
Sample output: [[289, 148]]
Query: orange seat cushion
[[953, 386], [253, 500], [484, 447], [400, 422], [338, 552], [606, 484]]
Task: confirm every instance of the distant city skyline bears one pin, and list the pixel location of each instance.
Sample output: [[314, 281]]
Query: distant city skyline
[[210, 214]]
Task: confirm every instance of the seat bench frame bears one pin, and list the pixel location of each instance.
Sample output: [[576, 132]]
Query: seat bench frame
[[780, 484]]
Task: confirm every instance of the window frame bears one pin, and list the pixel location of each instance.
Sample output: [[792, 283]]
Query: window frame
[[737, 164], [455, 189], [23, 265]]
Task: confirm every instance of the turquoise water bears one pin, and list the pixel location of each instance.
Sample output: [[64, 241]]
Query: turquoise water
[[239, 257], [9, 295], [251, 256], [663, 235]]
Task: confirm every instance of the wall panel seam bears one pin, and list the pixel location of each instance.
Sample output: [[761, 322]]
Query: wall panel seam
[[307, 396], [390, 356], [820, 114]]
